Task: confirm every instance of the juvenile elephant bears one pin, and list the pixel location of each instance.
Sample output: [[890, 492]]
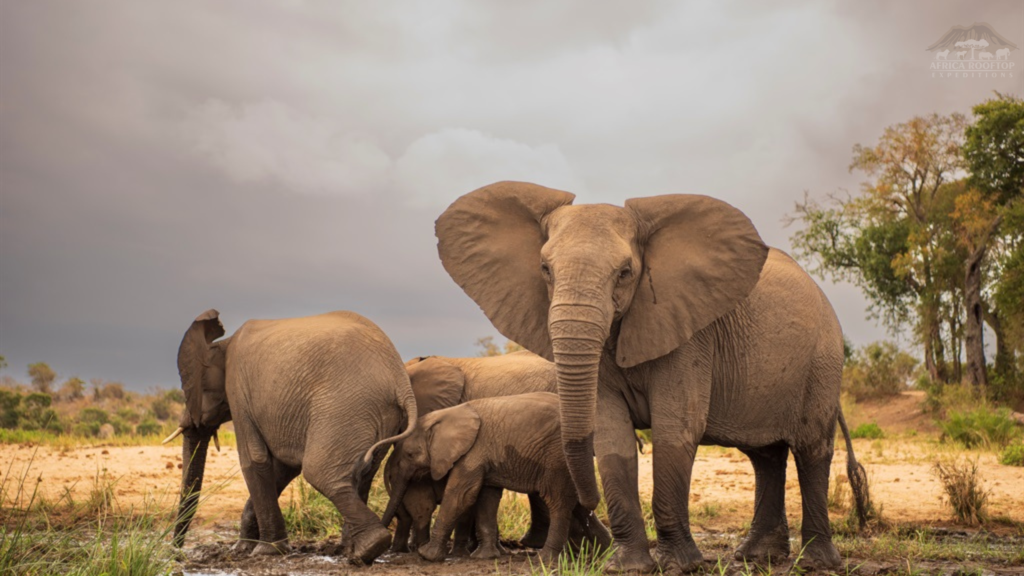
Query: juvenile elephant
[[482, 447], [671, 314], [441, 382], [322, 395]]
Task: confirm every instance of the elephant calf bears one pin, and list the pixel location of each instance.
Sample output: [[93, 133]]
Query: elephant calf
[[483, 446], [322, 395]]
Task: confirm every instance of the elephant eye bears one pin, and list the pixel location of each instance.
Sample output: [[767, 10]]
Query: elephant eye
[[545, 270], [625, 273]]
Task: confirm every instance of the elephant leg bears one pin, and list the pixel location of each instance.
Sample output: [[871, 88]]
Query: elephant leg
[[459, 496], [539, 521], [769, 532], [813, 466], [615, 446], [249, 532], [400, 542], [464, 538], [679, 403], [258, 470], [487, 505], [328, 468], [560, 503]]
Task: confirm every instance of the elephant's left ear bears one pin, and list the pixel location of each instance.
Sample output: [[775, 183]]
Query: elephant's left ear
[[702, 257], [452, 432], [436, 384], [194, 359]]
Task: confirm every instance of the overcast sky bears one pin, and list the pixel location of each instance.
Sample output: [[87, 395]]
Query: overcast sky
[[285, 159]]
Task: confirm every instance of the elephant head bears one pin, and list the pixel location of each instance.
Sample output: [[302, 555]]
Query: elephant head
[[201, 364], [437, 443], [435, 383], [569, 282]]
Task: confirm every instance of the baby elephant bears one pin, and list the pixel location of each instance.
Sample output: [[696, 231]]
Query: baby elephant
[[510, 442]]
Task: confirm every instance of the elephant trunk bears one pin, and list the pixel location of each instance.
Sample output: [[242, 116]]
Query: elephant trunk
[[578, 334], [195, 444], [397, 495]]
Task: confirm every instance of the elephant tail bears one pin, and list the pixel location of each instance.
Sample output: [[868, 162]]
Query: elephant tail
[[408, 402], [857, 475]]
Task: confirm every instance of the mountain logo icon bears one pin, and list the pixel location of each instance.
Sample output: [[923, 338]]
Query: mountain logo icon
[[976, 42]]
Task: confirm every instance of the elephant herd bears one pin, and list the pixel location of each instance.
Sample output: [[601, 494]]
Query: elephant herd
[[668, 313]]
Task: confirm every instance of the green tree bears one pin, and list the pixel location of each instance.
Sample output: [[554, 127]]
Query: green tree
[[10, 413], [994, 154], [3, 362], [42, 376], [893, 239], [878, 370], [72, 389]]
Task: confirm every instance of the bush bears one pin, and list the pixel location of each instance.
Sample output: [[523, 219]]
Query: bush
[[175, 395], [964, 493], [878, 370], [870, 430], [89, 421], [161, 408], [982, 427], [10, 412], [148, 427], [1013, 455]]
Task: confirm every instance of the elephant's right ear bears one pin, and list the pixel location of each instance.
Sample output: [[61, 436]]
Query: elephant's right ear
[[451, 434], [194, 356], [436, 384], [489, 241]]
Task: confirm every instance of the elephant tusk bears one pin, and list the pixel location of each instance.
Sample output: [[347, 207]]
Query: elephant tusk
[[216, 441], [173, 435]]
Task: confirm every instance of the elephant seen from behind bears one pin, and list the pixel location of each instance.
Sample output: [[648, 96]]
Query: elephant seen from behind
[[323, 396]]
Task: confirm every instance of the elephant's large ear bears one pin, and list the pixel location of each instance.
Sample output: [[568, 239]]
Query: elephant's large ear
[[436, 384], [451, 434], [489, 241], [701, 258], [194, 357]]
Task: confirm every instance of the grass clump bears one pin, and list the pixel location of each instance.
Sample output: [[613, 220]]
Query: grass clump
[[586, 562], [839, 494], [309, 515], [868, 430], [1013, 454], [964, 493], [982, 427]]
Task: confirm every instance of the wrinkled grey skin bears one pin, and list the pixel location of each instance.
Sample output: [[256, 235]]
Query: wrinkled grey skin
[[671, 314], [483, 446], [321, 395], [441, 382]]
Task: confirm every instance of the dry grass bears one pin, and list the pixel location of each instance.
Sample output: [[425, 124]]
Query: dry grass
[[963, 490]]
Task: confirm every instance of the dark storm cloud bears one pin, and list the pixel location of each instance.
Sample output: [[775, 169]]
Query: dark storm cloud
[[289, 158]]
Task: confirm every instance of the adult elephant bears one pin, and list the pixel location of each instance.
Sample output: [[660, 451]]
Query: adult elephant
[[669, 313], [321, 395]]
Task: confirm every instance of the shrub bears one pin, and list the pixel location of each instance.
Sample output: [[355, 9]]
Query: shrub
[[982, 426], [148, 427], [869, 430], [129, 415], [1013, 455], [89, 421], [878, 370], [175, 395], [10, 412], [113, 391], [161, 408], [73, 389], [964, 493]]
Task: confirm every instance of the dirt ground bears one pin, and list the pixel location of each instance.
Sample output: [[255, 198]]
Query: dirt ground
[[899, 469]]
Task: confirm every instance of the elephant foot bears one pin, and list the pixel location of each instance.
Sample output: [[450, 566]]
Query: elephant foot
[[399, 547], [684, 557], [548, 558], [765, 545], [243, 546], [368, 545], [625, 560], [819, 555], [460, 550], [487, 552], [278, 548], [432, 551]]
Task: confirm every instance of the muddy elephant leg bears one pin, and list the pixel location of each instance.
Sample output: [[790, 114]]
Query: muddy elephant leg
[[329, 470], [769, 532], [560, 504], [539, 521], [486, 513], [615, 446], [813, 466], [459, 496], [249, 532], [258, 470], [400, 542], [464, 539]]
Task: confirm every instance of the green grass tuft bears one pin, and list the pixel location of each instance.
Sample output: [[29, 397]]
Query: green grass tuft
[[868, 430]]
